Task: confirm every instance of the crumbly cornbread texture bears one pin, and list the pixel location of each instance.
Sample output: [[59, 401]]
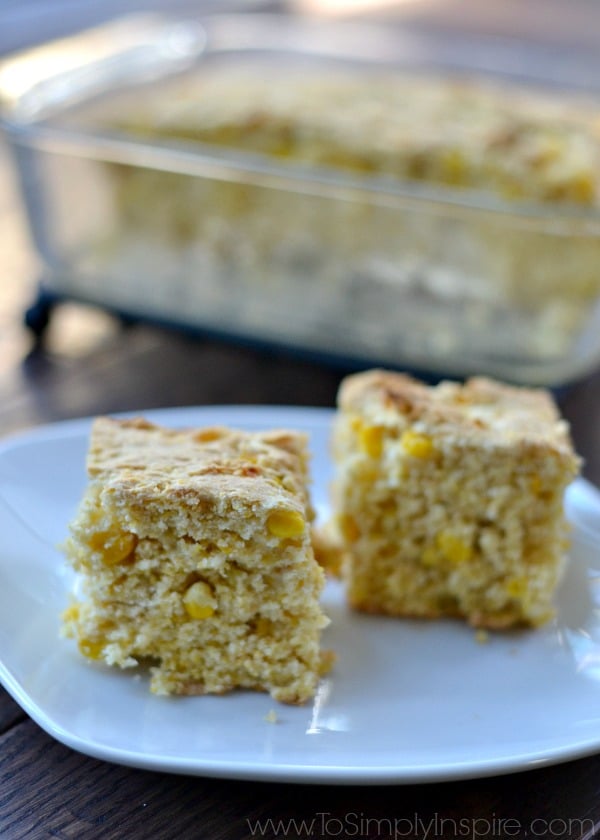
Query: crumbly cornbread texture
[[194, 552], [448, 500]]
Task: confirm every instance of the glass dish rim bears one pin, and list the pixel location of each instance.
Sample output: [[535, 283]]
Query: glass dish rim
[[46, 133]]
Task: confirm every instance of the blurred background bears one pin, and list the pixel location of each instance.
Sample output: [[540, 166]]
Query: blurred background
[[568, 24], [80, 365], [555, 21]]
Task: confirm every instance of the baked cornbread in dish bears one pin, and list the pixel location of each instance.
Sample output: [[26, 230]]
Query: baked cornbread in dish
[[448, 500], [468, 156], [325, 188], [520, 143], [194, 552]]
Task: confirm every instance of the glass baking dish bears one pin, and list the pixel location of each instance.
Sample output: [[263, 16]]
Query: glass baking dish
[[355, 266]]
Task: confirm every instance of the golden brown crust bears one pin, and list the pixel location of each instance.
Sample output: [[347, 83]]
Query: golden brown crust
[[481, 409], [136, 458]]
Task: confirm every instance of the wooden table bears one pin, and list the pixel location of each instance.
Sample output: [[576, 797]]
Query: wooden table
[[91, 365]]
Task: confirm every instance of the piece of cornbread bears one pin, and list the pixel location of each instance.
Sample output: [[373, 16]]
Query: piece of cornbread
[[194, 551], [448, 500]]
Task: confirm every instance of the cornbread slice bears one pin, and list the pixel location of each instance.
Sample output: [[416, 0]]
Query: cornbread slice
[[448, 499], [194, 552]]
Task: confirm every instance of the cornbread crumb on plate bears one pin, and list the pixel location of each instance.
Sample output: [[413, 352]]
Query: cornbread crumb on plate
[[193, 549], [448, 500]]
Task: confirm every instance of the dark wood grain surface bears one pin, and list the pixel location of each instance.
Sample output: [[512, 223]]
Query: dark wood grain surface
[[90, 364]]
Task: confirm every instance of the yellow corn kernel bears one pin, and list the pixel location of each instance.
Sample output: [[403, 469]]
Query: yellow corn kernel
[[228, 546], [263, 626], [535, 484], [369, 474], [71, 613], [583, 188], [95, 515], [93, 650], [538, 488], [416, 444], [453, 548], [199, 600], [516, 587], [431, 557], [285, 523], [356, 424], [371, 440], [327, 660], [114, 547], [453, 166], [348, 527], [208, 435]]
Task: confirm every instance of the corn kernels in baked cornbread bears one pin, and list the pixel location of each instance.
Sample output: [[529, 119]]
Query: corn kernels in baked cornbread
[[455, 505], [194, 552]]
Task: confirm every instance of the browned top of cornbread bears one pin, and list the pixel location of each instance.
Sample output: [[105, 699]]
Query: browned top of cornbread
[[525, 144], [136, 457], [481, 409]]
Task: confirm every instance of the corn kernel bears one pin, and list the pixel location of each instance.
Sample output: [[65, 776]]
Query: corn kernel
[[535, 484], [114, 547], [540, 489], [430, 557], [199, 601], [71, 613], [208, 435], [417, 444], [454, 168], [348, 527], [516, 587], [453, 548], [326, 662], [369, 474], [228, 546], [583, 189], [93, 650], [263, 626], [286, 523], [371, 441]]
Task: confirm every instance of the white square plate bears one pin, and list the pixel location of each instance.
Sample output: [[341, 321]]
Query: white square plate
[[408, 701]]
